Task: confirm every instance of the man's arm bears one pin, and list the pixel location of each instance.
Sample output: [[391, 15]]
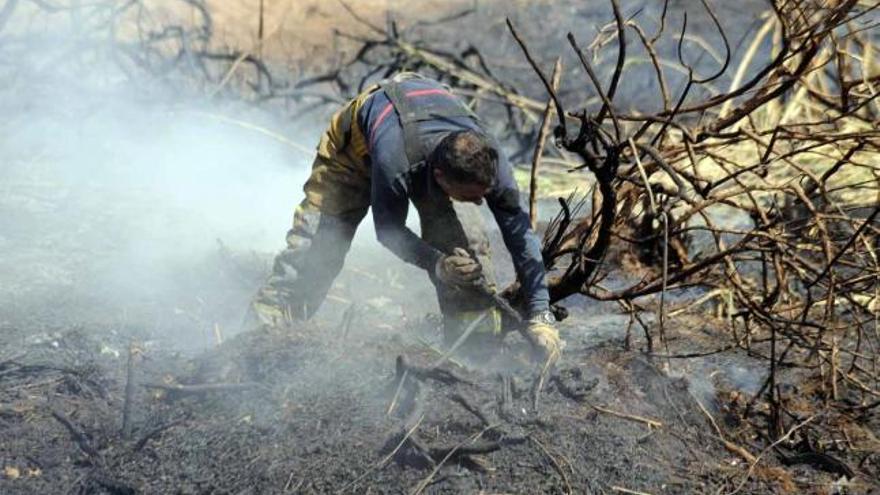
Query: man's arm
[[389, 197], [520, 239], [390, 204]]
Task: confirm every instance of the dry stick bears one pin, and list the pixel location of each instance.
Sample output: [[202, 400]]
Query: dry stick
[[468, 331], [627, 340], [618, 69], [651, 287], [385, 459], [539, 148], [538, 385], [202, 388], [730, 446], [393, 403], [260, 129], [861, 386], [441, 375], [769, 447], [746, 61], [652, 423], [248, 53], [542, 377], [633, 313], [655, 61], [849, 243], [427, 345], [376, 29], [620, 489], [129, 391], [665, 219], [555, 464], [425, 482], [772, 392], [471, 408], [140, 444], [606, 103], [560, 113], [76, 433], [712, 294], [835, 358]]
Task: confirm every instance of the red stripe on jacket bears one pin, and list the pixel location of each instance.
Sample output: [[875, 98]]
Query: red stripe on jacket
[[389, 107]]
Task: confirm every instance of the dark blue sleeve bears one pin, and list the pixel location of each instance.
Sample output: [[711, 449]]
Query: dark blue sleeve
[[390, 206], [520, 239], [389, 197]]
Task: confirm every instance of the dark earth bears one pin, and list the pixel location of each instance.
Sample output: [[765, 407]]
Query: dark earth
[[125, 369], [320, 407]]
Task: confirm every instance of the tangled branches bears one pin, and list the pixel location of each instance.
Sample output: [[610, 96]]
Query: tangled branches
[[752, 184], [763, 196]]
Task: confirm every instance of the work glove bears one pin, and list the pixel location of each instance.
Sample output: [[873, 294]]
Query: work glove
[[544, 337], [459, 269]]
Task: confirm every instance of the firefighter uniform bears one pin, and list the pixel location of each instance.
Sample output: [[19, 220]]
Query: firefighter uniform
[[373, 156]]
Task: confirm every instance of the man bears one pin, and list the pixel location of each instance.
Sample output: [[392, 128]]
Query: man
[[409, 139]]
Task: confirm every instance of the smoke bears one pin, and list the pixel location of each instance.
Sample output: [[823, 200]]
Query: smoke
[[143, 199], [121, 198], [119, 192]]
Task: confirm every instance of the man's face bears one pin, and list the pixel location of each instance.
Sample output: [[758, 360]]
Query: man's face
[[467, 193]]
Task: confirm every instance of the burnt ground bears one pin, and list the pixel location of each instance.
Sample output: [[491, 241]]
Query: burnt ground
[[309, 409], [321, 407]]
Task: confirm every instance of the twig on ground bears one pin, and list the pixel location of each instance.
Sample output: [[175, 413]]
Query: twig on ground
[[382, 462], [142, 442], [555, 463], [114, 486], [461, 339], [129, 391], [401, 380], [440, 375], [730, 446], [471, 408], [783, 438], [202, 388], [620, 489], [652, 423], [425, 482], [82, 441]]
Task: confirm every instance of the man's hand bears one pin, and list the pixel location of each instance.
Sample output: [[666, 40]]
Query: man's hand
[[545, 338], [458, 269]]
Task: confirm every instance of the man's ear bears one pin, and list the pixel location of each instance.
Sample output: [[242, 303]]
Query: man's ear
[[438, 174]]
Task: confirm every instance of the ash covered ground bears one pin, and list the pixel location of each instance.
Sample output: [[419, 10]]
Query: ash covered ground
[[322, 408], [130, 374], [134, 229]]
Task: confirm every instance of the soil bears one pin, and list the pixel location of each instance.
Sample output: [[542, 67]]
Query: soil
[[321, 407], [125, 371]]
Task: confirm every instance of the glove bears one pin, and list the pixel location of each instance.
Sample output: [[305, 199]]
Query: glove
[[458, 269], [544, 337]]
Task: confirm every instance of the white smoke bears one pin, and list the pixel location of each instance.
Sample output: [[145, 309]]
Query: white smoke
[[115, 187]]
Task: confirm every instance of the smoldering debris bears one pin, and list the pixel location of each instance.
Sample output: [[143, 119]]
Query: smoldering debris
[[122, 364]]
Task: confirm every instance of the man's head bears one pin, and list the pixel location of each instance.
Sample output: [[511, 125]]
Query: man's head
[[465, 164]]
